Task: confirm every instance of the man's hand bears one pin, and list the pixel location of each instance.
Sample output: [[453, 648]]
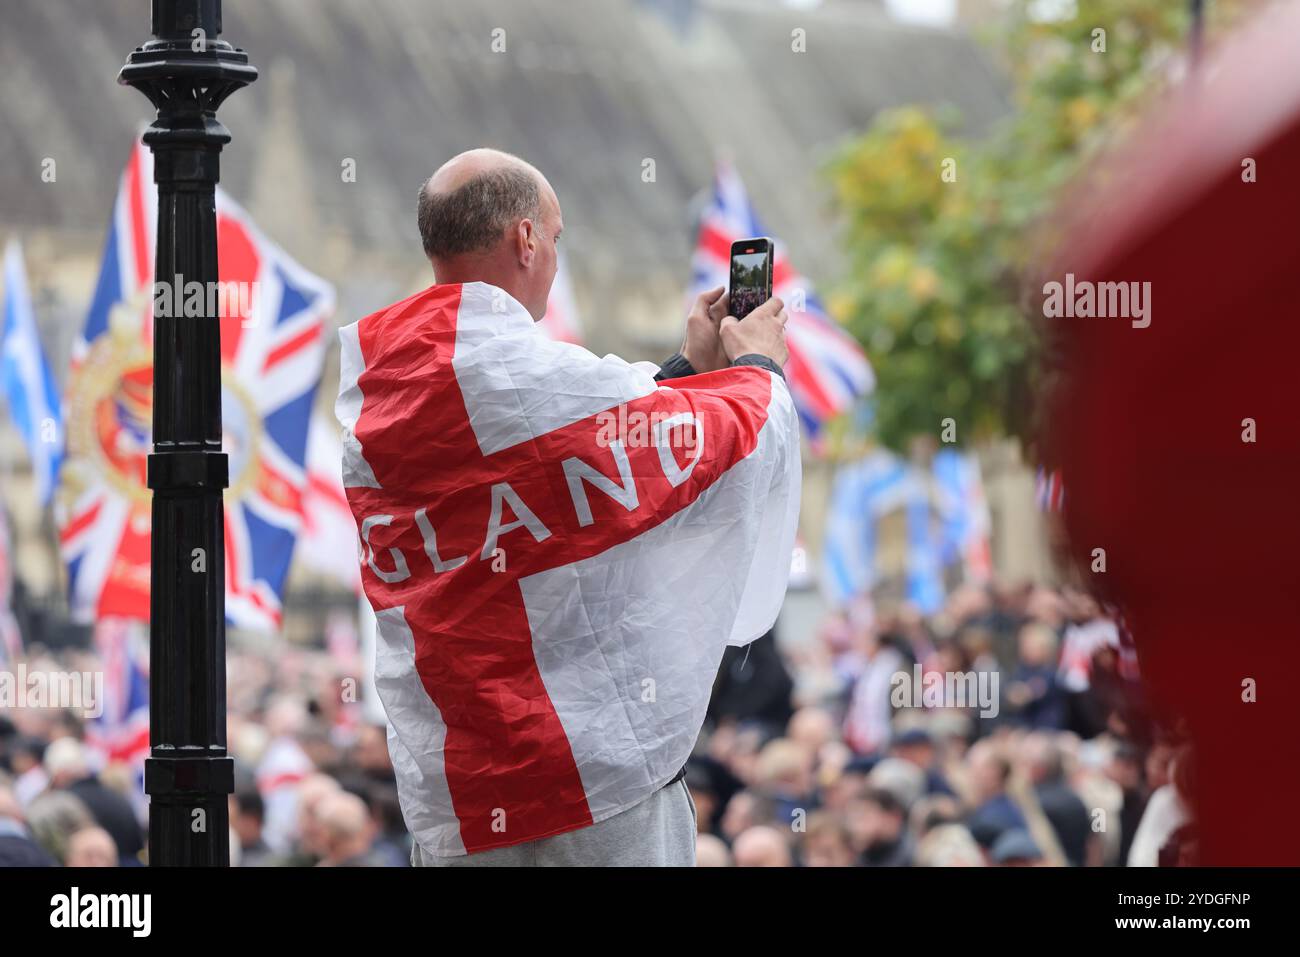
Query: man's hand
[[762, 332], [703, 346]]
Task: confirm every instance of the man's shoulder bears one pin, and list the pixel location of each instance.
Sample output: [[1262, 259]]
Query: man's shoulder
[[431, 297]]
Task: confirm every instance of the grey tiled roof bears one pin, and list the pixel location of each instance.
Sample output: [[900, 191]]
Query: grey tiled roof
[[586, 90]]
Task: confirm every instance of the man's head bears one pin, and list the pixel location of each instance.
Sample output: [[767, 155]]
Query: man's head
[[1041, 758], [65, 762], [91, 847], [487, 216], [989, 770], [877, 818], [346, 826], [762, 846]]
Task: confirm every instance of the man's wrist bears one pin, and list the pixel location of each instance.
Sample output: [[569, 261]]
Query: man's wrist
[[762, 361], [676, 367]]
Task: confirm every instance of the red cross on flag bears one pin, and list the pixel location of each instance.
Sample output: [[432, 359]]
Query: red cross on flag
[[558, 549]]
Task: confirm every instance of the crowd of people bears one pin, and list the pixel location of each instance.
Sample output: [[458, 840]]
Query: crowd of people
[[818, 753], [812, 754]]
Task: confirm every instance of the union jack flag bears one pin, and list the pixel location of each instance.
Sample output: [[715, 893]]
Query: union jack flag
[[121, 731], [1049, 490], [272, 347], [827, 370]]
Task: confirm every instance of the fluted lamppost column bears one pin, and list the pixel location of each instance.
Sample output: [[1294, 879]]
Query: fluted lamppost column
[[187, 71]]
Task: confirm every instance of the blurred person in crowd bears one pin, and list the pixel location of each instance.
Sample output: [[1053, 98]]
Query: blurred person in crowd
[[738, 747], [1034, 695], [1168, 809], [66, 723], [1046, 606], [877, 821], [1044, 767], [952, 732], [1125, 769], [27, 761], [976, 643], [784, 773], [1016, 848], [916, 746], [92, 847], [903, 779], [248, 742], [17, 846], [370, 752], [993, 810], [812, 728], [318, 746], [827, 842], [838, 649], [308, 843], [931, 811], [840, 789], [283, 767], [1159, 763], [1086, 631], [246, 814], [745, 810], [710, 851], [1086, 772], [700, 783], [949, 845], [968, 605], [867, 722], [68, 768], [1111, 702], [716, 785], [392, 841], [832, 760], [347, 832], [54, 816], [753, 685], [762, 846]]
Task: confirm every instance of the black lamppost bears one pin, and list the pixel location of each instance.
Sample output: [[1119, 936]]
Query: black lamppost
[[187, 71]]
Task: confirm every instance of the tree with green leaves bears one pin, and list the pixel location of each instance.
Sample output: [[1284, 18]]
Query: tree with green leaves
[[941, 228]]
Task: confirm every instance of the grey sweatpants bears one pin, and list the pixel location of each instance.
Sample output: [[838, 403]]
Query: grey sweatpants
[[658, 832]]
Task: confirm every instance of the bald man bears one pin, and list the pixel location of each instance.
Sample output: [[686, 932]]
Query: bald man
[[488, 216], [762, 846], [521, 729]]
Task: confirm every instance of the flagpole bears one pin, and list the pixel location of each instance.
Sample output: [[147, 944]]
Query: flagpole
[[186, 71]]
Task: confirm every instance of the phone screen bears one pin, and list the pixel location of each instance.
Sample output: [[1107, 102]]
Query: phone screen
[[751, 276]]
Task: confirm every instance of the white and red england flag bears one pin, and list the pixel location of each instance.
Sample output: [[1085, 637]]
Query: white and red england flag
[[558, 549]]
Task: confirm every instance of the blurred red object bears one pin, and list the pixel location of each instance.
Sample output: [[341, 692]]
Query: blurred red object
[[1201, 528]]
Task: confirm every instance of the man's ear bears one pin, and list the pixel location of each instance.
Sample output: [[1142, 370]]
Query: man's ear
[[525, 242]]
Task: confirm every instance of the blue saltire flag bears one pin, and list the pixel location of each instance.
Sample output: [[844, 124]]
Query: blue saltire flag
[[25, 378]]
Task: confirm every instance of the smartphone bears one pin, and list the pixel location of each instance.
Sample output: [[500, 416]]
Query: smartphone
[[751, 275]]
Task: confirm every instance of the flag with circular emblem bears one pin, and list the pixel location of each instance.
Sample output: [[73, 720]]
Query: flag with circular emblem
[[272, 349]]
